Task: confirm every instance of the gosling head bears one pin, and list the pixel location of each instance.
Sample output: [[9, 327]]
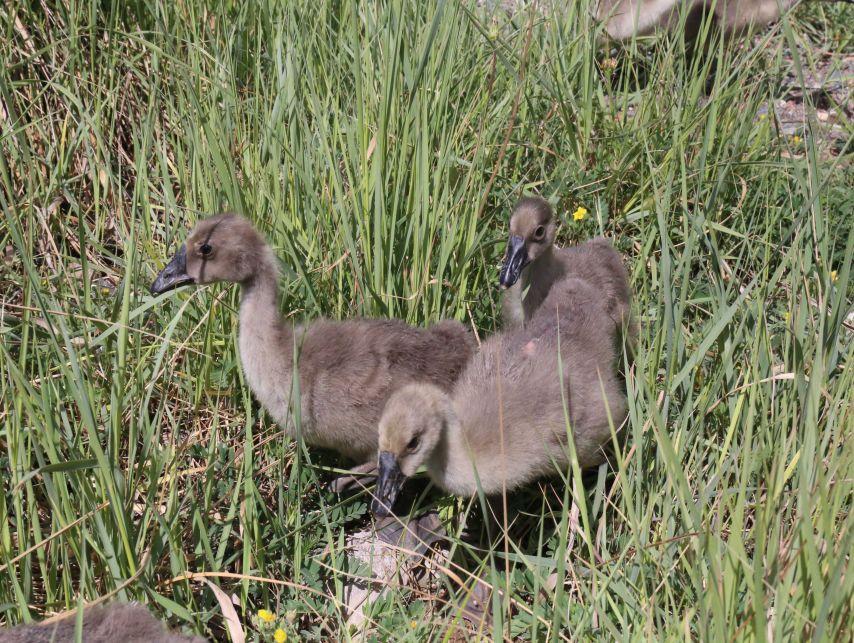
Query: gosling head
[[224, 247], [532, 232], [411, 428]]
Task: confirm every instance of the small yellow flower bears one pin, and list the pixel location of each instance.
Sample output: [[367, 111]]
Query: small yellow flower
[[796, 140], [266, 615], [413, 624], [834, 276], [280, 636], [763, 116], [787, 316], [580, 213]]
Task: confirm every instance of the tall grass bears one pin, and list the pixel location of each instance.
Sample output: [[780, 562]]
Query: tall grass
[[379, 146]]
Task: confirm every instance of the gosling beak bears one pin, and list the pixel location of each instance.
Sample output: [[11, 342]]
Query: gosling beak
[[514, 261], [174, 275], [389, 482]]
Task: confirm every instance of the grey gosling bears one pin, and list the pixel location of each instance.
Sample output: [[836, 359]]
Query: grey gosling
[[504, 423], [533, 262], [101, 624], [627, 18], [347, 369]]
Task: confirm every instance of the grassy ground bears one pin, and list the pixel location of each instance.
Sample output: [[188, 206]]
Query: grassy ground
[[380, 146]]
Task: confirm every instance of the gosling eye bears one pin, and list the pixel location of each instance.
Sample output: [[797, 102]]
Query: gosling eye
[[205, 249], [413, 444], [539, 232]]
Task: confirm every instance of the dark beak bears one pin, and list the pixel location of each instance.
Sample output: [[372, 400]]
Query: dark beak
[[389, 482], [174, 275], [514, 261]]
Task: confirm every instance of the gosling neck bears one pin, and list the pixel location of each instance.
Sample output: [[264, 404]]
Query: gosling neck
[[538, 279], [266, 342], [259, 304], [546, 264], [516, 306], [262, 288], [450, 465]]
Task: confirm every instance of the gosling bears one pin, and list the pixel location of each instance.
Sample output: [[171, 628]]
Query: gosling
[[533, 262], [347, 369], [504, 425], [625, 19], [101, 624]]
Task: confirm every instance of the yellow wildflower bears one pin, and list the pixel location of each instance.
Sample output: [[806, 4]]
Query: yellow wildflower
[[413, 624], [280, 636], [796, 140], [834, 276], [266, 615], [580, 213], [763, 116]]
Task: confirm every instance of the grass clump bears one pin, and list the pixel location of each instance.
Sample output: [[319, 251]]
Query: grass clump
[[379, 146]]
